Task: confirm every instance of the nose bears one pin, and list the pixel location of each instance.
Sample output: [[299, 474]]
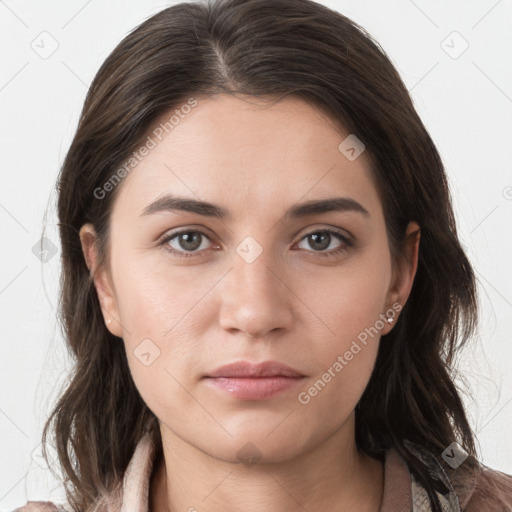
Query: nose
[[256, 297]]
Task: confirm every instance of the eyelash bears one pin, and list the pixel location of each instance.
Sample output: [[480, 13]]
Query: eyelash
[[348, 244]]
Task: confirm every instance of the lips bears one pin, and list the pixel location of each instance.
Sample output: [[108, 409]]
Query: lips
[[245, 369], [246, 381]]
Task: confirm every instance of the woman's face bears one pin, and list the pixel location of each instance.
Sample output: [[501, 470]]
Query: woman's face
[[256, 277]]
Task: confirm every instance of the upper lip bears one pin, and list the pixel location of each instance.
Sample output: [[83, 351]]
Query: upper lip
[[247, 369]]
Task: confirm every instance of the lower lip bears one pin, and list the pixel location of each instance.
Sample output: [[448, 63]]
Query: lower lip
[[254, 388]]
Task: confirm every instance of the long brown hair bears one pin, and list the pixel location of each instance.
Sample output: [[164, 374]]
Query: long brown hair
[[263, 48]]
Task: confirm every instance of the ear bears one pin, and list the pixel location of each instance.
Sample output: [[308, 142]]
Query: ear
[[101, 278], [403, 274]]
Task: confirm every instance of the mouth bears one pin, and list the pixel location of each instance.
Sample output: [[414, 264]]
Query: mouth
[[246, 381]]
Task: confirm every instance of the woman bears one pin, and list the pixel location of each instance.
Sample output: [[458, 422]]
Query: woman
[[262, 283]]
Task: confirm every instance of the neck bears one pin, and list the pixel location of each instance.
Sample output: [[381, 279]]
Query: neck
[[334, 476]]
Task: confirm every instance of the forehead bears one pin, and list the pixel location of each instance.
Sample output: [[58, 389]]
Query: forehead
[[248, 153]]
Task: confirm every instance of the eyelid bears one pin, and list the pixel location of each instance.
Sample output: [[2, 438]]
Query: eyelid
[[186, 229], [325, 227]]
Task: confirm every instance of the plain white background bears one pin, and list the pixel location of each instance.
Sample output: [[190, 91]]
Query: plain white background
[[454, 57]]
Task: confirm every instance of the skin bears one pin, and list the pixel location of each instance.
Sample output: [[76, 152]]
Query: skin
[[291, 304]]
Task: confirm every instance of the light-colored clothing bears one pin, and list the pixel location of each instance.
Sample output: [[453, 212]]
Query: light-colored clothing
[[491, 491]]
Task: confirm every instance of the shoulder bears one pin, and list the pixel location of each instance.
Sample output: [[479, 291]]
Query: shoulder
[[479, 488], [470, 486], [40, 506], [492, 492]]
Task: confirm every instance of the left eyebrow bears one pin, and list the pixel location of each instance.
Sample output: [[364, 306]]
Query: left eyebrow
[[335, 204], [171, 202]]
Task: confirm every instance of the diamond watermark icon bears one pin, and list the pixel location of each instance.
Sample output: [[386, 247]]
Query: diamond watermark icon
[[454, 455], [44, 249], [351, 147], [146, 352], [454, 45], [45, 45], [249, 249], [249, 454]]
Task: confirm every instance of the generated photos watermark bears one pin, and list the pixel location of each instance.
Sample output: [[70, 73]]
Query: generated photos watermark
[[304, 397]]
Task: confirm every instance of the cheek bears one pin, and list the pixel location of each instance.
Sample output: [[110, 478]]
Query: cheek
[[344, 364], [349, 300], [350, 305], [162, 315], [155, 300]]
